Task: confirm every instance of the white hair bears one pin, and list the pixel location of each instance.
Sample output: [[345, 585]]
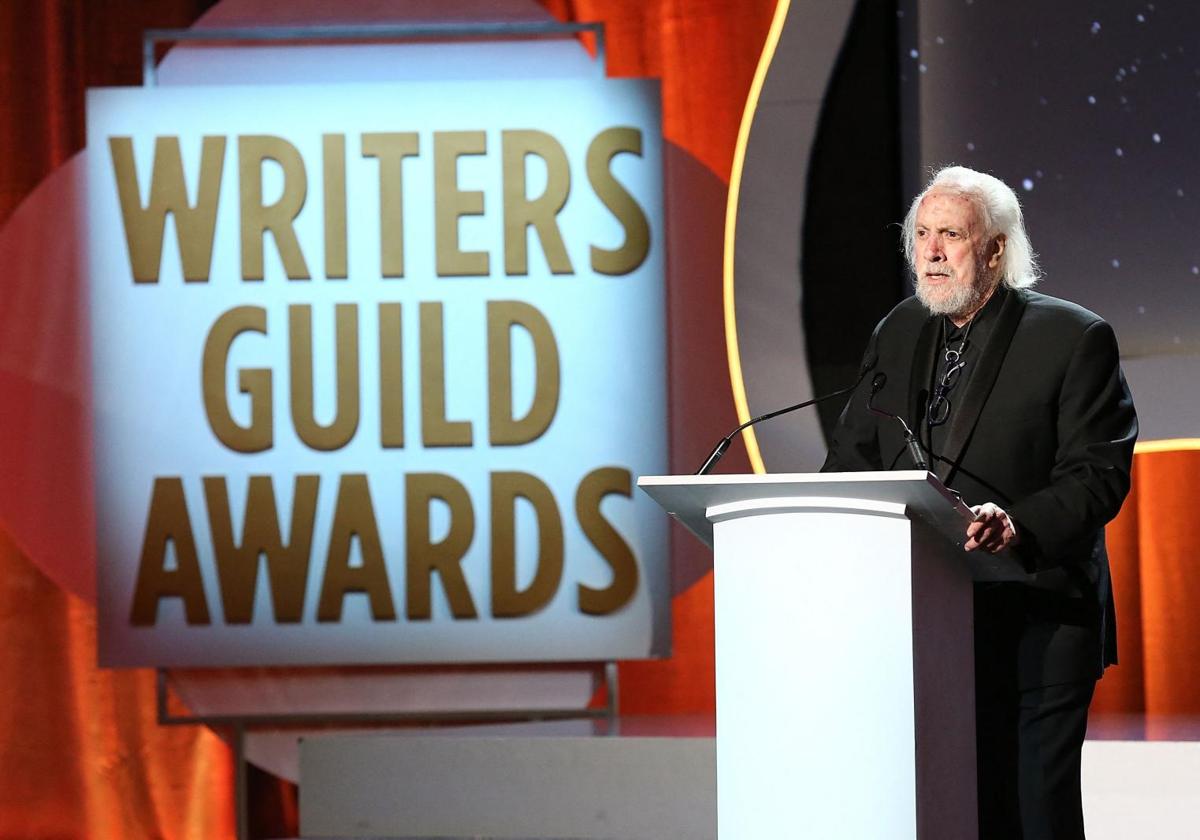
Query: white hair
[[999, 211]]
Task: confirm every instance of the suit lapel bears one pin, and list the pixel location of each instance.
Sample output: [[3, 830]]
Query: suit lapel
[[923, 363], [966, 414]]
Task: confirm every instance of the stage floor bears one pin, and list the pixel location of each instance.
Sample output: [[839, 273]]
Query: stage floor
[[1141, 777]]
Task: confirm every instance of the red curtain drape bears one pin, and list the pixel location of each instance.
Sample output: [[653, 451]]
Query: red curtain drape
[[82, 754]]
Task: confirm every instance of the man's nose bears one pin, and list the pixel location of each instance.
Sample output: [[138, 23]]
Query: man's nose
[[933, 249]]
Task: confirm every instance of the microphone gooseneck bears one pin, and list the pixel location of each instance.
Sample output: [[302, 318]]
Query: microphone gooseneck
[[723, 445], [910, 440]]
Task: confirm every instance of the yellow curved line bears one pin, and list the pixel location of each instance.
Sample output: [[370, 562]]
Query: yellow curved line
[[741, 404], [1172, 445]]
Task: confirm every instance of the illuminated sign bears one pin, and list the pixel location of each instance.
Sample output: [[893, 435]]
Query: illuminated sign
[[374, 370]]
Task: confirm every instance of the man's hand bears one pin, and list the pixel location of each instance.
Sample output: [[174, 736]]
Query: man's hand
[[991, 531]]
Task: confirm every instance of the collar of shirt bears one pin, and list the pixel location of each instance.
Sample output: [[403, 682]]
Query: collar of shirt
[[980, 325], [980, 331]]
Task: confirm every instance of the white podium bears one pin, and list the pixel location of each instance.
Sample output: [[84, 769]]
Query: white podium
[[844, 652]]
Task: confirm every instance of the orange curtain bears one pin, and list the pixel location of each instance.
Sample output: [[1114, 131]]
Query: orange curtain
[[1156, 578], [82, 754]]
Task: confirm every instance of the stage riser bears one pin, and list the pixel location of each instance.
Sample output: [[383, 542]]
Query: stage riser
[[635, 788], [621, 788]]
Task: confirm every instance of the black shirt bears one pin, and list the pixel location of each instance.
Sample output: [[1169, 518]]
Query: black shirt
[[958, 345]]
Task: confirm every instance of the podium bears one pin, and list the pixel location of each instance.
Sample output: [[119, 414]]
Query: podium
[[844, 651]]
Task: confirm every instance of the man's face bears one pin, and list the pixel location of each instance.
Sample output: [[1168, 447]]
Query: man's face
[[955, 265]]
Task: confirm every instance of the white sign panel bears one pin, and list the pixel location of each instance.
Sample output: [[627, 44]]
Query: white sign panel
[[375, 368]]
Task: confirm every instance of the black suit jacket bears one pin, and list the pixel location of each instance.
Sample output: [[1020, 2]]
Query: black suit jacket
[[1045, 428]]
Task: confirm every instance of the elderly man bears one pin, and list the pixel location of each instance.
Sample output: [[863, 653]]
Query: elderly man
[[1020, 405]]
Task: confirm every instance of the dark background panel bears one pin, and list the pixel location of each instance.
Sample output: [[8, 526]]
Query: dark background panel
[[852, 267]]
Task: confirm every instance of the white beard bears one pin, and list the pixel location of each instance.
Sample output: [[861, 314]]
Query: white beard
[[951, 299], [956, 299]]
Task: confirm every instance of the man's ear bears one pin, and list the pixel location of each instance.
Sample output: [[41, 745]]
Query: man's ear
[[997, 251]]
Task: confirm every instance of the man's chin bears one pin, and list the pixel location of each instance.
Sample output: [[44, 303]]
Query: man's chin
[[940, 301], [953, 306]]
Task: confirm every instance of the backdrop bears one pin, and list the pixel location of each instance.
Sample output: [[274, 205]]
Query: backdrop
[[82, 755]]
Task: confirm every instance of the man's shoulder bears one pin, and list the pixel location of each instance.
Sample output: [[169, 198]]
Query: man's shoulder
[[907, 313], [1040, 310], [1057, 312]]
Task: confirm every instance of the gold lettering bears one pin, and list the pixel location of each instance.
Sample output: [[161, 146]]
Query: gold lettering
[[345, 421], [391, 149], [507, 600], [391, 377], [194, 224], [450, 203], [333, 155], [237, 565], [425, 557], [504, 429], [168, 521], [612, 547], [354, 516], [254, 382], [436, 430], [607, 145], [277, 218], [541, 213]]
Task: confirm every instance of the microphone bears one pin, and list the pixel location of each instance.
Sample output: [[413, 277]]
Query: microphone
[[910, 440], [719, 449]]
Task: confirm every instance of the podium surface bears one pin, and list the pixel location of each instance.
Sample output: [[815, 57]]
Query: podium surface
[[844, 651], [920, 494]]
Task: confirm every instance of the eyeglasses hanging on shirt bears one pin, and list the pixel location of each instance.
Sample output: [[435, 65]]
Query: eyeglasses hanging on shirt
[[937, 411]]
